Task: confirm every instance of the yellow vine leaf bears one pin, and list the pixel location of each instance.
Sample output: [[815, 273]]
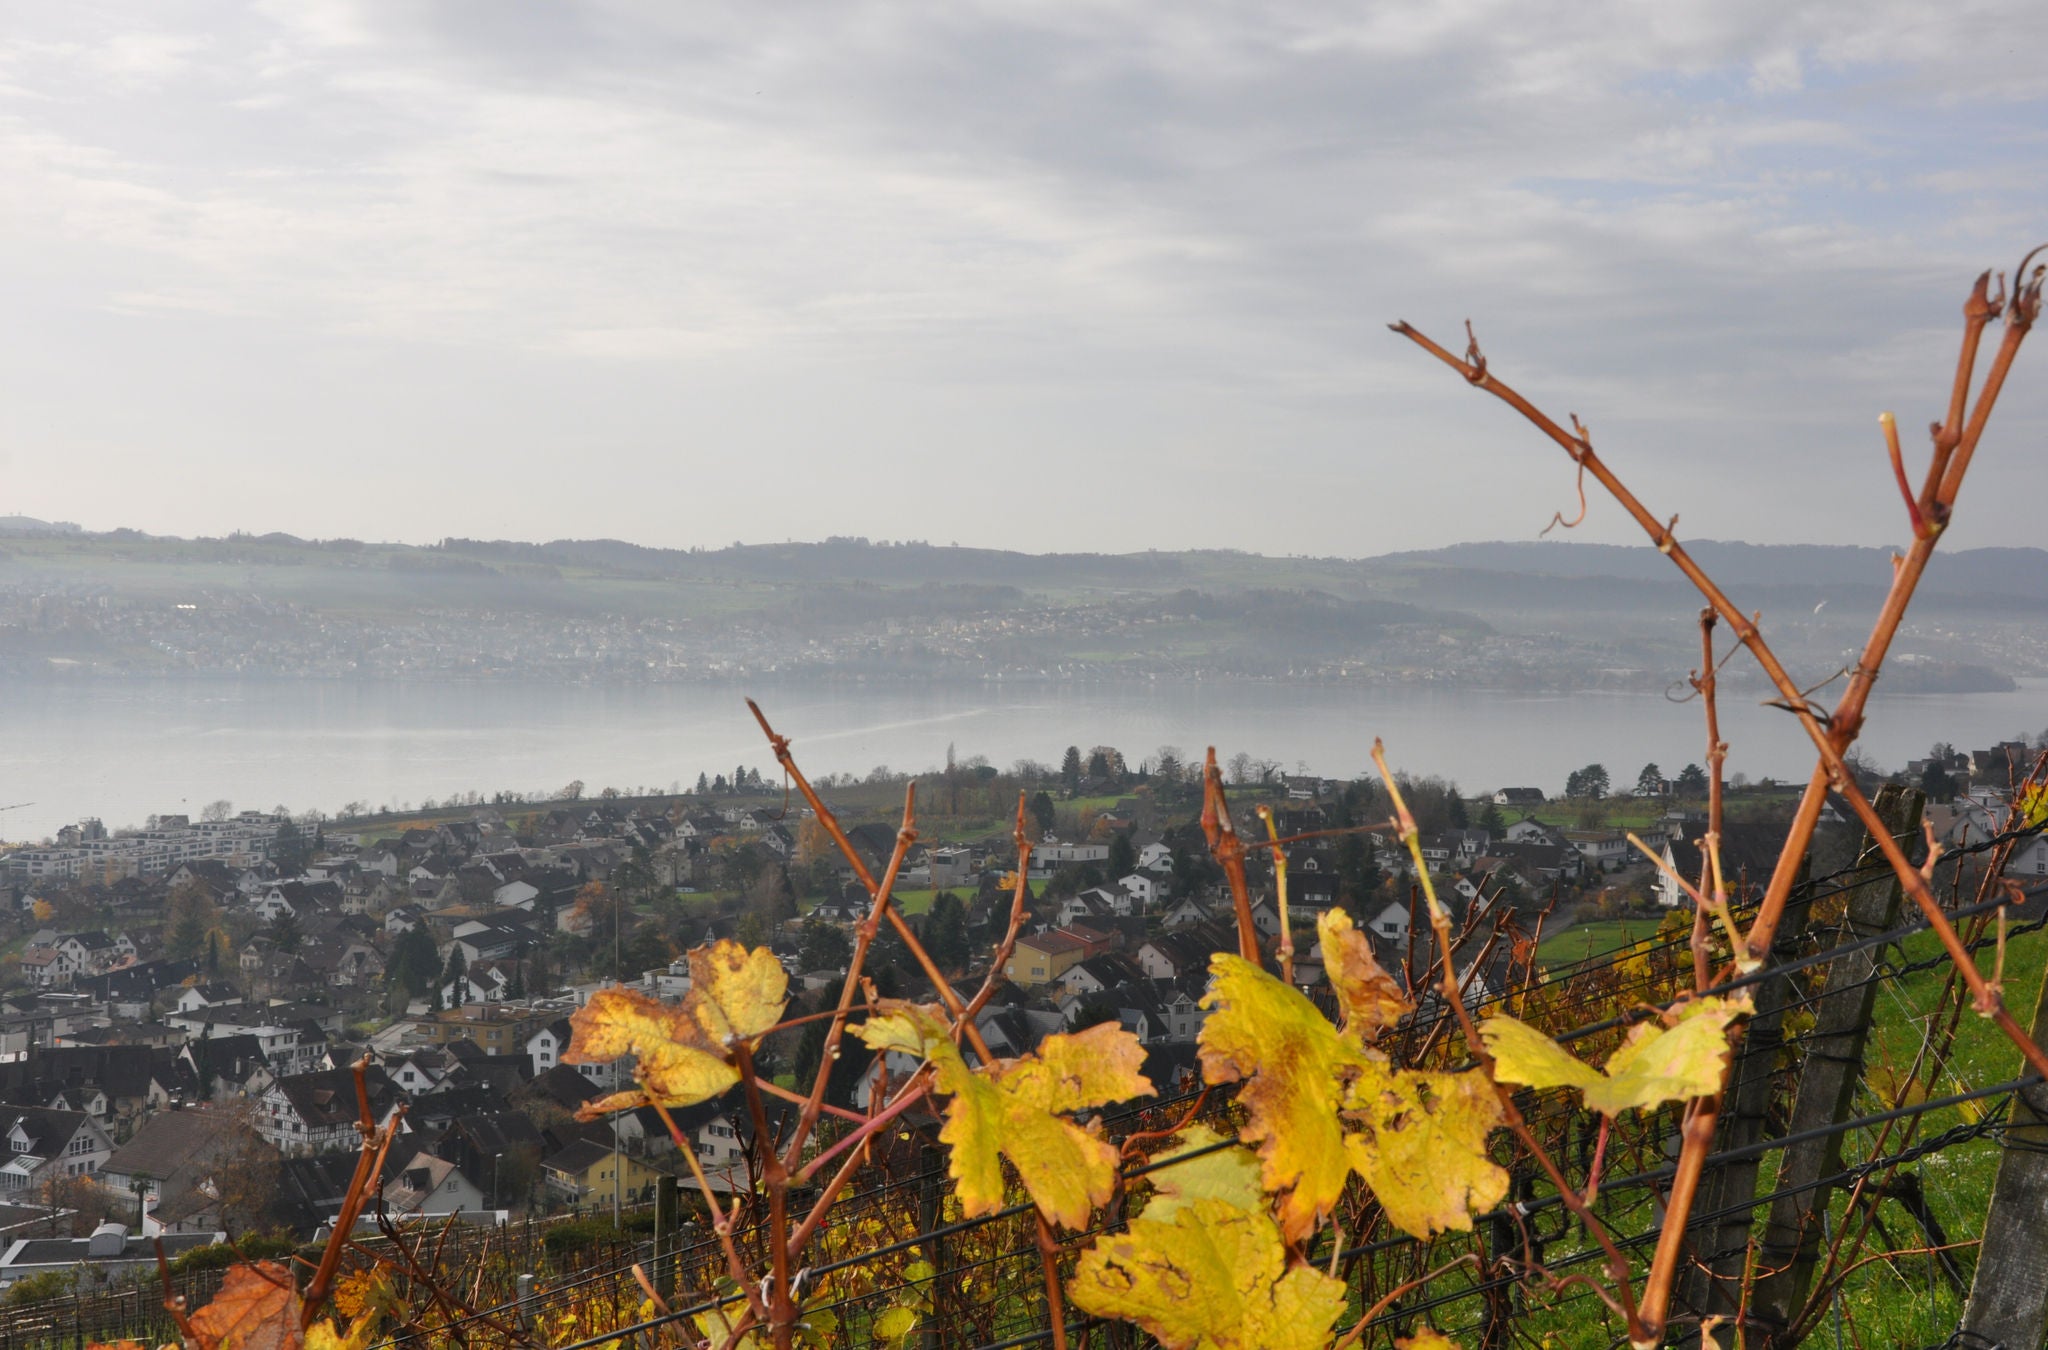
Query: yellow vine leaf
[[1296, 1070], [1369, 996], [1425, 1339], [322, 1335], [2032, 807], [1011, 1109], [1215, 1277], [1655, 1064], [895, 1326], [683, 1050], [1423, 1147], [736, 994], [1227, 1174]]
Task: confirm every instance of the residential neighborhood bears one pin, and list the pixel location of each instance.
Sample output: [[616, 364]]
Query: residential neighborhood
[[187, 1010]]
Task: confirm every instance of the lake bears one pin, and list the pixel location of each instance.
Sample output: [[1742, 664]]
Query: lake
[[125, 749]]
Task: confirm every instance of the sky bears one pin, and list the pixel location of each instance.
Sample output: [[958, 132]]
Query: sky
[[1066, 275]]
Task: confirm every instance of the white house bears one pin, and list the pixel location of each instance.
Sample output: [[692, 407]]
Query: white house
[[432, 1186], [1391, 922], [47, 1145], [1142, 887], [1156, 858]]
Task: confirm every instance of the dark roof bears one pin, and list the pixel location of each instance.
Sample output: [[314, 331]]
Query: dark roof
[[578, 1155], [328, 1096], [565, 1087], [47, 1130], [170, 1140], [499, 1132], [310, 1190]]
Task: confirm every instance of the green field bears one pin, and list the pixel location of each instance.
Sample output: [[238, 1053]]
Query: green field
[[1594, 938]]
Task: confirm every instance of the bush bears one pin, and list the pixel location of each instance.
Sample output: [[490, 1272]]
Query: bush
[[35, 1288], [220, 1255]]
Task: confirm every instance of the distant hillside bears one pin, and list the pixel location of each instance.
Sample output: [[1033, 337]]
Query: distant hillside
[[1977, 573], [1537, 615]]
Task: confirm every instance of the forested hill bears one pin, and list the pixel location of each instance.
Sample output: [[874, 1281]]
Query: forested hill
[[1541, 614]]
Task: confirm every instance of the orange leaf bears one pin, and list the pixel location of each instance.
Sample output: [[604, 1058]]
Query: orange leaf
[[257, 1308]]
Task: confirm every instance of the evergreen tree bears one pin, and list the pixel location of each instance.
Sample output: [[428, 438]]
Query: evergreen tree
[[456, 975], [1044, 812], [1070, 769], [414, 962], [944, 932], [1123, 856], [703, 785]]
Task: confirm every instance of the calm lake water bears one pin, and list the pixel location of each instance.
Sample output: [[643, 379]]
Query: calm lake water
[[124, 749]]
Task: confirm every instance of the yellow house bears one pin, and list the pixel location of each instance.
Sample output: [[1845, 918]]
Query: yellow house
[[584, 1171], [1044, 957]]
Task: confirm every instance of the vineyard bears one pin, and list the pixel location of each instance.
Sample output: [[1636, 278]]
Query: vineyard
[[1803, 1111]]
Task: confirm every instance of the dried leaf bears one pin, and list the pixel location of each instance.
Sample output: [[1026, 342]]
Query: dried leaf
[[257, 1308], [1369, 996], [1216, 1277], [1655, 1065], [1011, 1109], [1227, 1174], [1297, 1071], [683, 1050], [1423, 1148]]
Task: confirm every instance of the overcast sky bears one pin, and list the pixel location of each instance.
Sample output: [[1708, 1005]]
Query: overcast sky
[[1041, 276]]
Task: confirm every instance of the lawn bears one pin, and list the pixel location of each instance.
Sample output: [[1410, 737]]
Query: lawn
[[1597, 937], [908, 902]]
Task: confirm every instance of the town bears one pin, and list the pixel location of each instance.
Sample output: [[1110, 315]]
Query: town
[[181, 1003]]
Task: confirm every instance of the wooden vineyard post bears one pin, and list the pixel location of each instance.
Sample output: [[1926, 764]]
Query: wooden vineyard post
[[1830, 1069], [1721, 1244], [2009, 1297]]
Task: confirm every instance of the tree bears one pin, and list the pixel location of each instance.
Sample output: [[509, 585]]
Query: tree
[[1650, 782], [646, 949], [1044, 812], [1168, 764], [217, 810], [944, 932], [455, 975], [1937, 782], [1589, 783], [574, 791], [189, 920], [703, 784], [289, 850], [772, 898], [1692, 781], [825, 947], [285, 933], [1240, 767], [1123, 855], [245, 1175], [414, 962], [1490, 820], [1070, 769]]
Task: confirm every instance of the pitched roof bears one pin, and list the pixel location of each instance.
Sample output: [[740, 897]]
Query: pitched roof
[[171, 1140]]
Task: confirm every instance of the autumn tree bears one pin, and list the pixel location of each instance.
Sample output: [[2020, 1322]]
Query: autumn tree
[[190, 916]]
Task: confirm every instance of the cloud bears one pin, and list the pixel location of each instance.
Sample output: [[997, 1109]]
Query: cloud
[[1157, 245]]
